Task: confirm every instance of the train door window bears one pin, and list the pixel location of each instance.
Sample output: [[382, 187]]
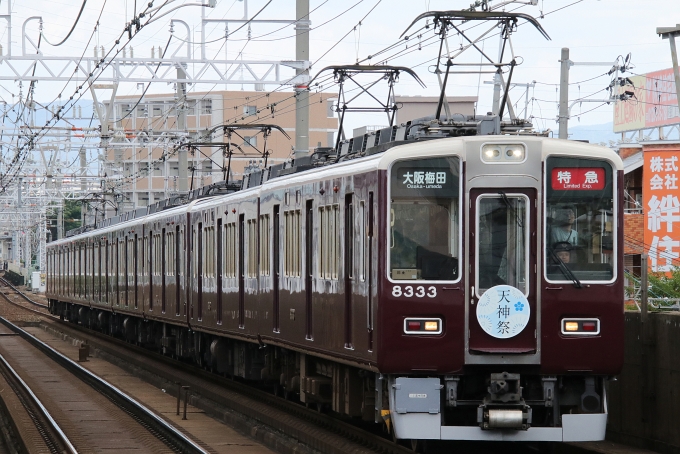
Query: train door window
[[145, 258], [150, 274], [85, 269], [194, 252], [93, 270], [135, 276], [230, 256], [122, 269], [177, 264], [502, 241], [349, 235], [264, 245], [163, 267], [580, 212], [80, 270], [128, 268], [361, 255], [424, 223], [292, 264], [107, 266], [219, 273]]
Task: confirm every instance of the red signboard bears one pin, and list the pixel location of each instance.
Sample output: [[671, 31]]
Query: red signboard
[[578, 178]]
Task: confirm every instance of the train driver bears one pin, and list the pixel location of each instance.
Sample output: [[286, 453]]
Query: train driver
[[563, 227]]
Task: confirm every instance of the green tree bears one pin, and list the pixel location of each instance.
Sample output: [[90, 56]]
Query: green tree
[[71, 214]]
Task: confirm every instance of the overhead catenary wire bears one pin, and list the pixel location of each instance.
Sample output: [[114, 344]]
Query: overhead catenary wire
[[82, 7], [92, 77]]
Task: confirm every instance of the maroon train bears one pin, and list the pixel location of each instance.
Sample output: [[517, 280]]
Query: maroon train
[[460, 288]]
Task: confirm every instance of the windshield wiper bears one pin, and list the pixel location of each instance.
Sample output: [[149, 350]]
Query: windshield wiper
[[566, 271]]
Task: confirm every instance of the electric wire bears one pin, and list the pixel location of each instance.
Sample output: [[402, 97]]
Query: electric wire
[[82, 7]]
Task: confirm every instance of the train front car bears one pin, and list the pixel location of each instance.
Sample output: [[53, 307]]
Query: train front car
[[501, 309]]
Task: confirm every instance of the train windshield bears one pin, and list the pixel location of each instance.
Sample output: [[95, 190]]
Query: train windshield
[[502, 245], [580, 220], [424, 230]]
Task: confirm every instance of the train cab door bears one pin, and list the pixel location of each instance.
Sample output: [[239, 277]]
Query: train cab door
[[502, 309]]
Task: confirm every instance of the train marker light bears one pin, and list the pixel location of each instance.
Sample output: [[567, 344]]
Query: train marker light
[[431, 326], [413, 326], [571, 326], [589, 326], [423, 326], [581, 326]]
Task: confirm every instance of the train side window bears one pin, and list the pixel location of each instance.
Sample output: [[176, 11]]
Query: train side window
[[424, 232], [329, 241], [292, 252], [209, 252], [580, 212], [231, 255], [251, 239], [170, 254], [264, 245]]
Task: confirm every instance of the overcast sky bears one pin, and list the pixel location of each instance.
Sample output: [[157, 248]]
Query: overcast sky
[[593, 30]]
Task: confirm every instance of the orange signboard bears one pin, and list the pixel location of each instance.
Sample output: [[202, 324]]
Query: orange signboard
[[662, 208], [654, 104]]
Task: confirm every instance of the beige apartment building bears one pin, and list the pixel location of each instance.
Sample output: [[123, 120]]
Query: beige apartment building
[[142, 157]]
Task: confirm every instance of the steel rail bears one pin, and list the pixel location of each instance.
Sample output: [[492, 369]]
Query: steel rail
[[53, 436], [20, 293], [165, 432]]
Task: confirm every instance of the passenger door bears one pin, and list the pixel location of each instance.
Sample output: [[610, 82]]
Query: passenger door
[[502, 308]]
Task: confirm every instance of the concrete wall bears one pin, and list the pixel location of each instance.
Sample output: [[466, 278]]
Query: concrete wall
[[644, 403]]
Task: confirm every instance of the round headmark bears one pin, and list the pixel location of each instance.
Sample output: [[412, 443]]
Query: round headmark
[[503, 311]]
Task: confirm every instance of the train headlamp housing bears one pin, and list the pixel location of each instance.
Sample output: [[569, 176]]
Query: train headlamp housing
[[494, 153], [422, 326], [580, 326]]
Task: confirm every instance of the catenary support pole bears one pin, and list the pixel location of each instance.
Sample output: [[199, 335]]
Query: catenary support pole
[[676, 71], [564, 95], [644, 283], [183, 161], [301, 89]]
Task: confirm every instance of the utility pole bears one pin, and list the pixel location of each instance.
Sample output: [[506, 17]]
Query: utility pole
[[83, 184], [302, 89], [183, 161], [60, 223], [565, 108], [671, 33], [19, 189], [564, 95], [495, 107]]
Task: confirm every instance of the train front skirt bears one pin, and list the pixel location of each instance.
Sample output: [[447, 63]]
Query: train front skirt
[[416, 414]]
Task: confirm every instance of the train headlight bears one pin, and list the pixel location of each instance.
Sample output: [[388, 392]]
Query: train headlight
[[491, 153], [503, 153], [515, 153]]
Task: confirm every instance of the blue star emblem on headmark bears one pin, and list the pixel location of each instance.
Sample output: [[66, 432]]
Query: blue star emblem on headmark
[[498, 316]]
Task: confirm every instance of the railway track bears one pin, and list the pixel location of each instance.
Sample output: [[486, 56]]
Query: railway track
[[45, 432], [49, 374]]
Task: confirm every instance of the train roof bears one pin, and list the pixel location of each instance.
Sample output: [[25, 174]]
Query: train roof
[[377, 157]]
